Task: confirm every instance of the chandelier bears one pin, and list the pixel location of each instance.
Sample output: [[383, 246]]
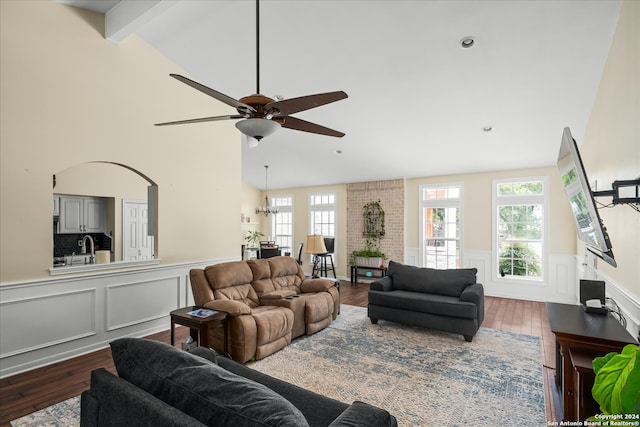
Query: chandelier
[[266, 209]]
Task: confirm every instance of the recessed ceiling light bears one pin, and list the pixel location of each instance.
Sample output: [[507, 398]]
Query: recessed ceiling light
[[487, 128], [467, 42]]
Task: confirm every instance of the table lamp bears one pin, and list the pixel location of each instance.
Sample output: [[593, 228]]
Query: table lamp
[[315, 245]]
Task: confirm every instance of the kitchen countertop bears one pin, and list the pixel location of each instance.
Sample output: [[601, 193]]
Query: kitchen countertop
[[80, 268]]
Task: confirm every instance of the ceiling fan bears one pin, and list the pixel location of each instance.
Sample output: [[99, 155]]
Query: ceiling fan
[[263, 115]]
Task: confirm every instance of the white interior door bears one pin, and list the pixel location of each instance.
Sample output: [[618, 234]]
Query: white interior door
[[137, 245]]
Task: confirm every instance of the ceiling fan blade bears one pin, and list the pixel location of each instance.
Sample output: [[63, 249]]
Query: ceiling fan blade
[[203, 119], [305, 126], [214, 94], [294, 105]]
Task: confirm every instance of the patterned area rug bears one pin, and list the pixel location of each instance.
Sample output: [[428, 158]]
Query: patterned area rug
[[63, 414], [422, 377]]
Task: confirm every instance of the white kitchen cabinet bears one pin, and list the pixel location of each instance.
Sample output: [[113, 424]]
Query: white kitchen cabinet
[[82, 214]]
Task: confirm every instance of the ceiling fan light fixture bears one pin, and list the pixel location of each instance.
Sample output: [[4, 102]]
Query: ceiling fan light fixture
[[257, 128], [251, 142]]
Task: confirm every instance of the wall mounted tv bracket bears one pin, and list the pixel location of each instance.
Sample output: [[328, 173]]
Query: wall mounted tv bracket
[[634, 202]]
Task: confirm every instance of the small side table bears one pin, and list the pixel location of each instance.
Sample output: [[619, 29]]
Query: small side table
[[200, 326], [355, 275]]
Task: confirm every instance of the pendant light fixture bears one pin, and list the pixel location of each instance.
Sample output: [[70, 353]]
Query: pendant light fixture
[[266, 209]]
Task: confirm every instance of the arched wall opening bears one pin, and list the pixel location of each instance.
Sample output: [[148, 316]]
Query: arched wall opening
[[112, 187]]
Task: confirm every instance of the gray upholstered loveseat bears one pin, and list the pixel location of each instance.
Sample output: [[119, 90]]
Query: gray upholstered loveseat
[[446, 300], [160, 386]]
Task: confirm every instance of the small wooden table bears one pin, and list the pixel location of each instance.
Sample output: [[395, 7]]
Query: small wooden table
[[580, 332], [583, 378], [200, 326], [355, 275]]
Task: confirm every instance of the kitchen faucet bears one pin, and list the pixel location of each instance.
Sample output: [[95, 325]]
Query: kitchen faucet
[[84, 248]]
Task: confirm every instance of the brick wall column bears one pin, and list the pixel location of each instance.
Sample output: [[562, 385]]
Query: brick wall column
[[391, 196]]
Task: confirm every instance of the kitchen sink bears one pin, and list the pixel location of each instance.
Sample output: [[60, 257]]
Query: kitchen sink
[[69, 260]]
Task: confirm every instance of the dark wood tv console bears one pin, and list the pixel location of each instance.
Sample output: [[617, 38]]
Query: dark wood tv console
[[579, 336]]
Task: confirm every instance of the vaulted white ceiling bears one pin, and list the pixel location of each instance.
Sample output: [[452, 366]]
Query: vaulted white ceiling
[[417, 102]]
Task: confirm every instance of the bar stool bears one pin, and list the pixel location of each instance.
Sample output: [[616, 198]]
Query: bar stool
[[320, 264]]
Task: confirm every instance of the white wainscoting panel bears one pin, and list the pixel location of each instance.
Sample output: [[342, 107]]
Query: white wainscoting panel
[[628, 303], [473, 260], [35, 323], [562, 279], [138, 302], [412, 256], [47, 321], [559, 284]]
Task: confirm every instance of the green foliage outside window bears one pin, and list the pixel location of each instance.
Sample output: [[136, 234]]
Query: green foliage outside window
[[518, 259], [520, 230], [533, 188]]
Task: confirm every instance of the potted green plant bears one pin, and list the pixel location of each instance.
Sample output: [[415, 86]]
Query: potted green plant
[[371, 255], [367, 258], [253, 237], [617, 384]]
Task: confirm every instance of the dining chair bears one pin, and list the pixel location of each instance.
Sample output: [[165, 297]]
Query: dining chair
[[299, 260]]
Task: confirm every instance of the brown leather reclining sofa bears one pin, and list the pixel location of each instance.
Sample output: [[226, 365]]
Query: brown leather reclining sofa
[[269, 302]]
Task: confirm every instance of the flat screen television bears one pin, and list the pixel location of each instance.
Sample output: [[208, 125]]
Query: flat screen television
[[589, 226]]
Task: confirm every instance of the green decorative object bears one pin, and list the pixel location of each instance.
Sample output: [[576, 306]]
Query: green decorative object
[[617, 384], [373, 216], [253, 237], [373, 220]]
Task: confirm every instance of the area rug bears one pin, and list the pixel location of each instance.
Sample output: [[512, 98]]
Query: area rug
[[422, 377], [63, 414]]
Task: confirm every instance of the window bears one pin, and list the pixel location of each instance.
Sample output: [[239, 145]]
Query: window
[[322, 208], [520, 228], [441, 207], [282, 222]]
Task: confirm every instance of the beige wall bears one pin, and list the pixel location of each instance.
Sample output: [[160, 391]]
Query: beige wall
[[478, 211], [251, 199], [611, 146], [301, 221], [70, 97]]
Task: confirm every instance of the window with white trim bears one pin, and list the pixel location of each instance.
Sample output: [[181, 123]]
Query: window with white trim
[[441, 214], [519, 218], [282, 222], [322, 209]]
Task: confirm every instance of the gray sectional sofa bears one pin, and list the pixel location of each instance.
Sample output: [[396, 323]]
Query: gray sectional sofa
[[159, 385], [446, 300]]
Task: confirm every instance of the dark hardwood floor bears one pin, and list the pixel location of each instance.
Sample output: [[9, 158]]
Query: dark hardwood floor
[[24, 393]]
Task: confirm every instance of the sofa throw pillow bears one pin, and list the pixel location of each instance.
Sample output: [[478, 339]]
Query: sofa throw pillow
[[430, 280], [200, 388]]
